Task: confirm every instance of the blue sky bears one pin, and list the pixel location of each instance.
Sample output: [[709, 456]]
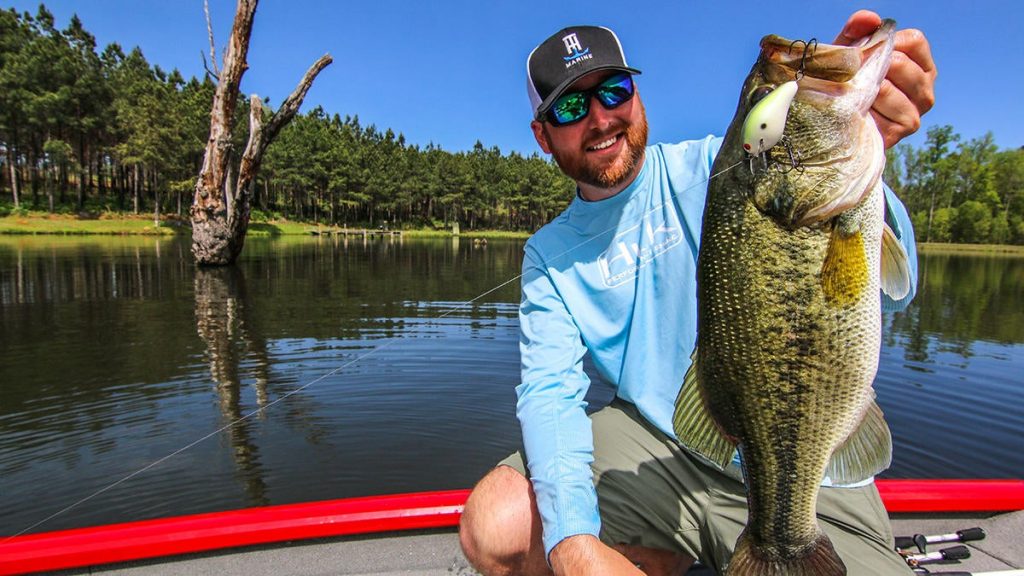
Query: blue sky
[[452, 72]]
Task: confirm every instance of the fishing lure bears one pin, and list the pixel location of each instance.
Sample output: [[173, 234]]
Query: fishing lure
[[764, 124]]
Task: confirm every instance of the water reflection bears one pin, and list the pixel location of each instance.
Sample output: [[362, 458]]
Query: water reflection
[[963, 299], [949, 375], [224, 323], [35, 271], [118, 351]]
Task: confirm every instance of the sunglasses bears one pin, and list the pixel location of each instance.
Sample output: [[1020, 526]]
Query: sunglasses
[[574, 106]]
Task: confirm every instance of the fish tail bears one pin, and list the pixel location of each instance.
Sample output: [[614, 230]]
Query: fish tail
[[818, 558]]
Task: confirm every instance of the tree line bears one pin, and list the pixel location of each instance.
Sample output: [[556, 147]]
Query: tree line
[[960, 191], [88, 130]]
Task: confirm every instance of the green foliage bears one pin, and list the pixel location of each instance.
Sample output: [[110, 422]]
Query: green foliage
[[960, 191], [972, 223], [941, 224], [999, 233], [9, 209], [105, 130], [335, 171], [1016, 229], [261, 216], [122, 133]]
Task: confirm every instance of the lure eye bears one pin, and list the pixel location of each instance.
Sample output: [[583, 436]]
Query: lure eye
[[759, 93]]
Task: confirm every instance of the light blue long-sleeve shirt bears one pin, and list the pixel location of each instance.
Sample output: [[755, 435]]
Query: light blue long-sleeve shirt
[[616, 278]]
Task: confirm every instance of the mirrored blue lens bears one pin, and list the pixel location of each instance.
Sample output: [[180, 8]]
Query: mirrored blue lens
[[615, 90], [575, 106], [569, 108]]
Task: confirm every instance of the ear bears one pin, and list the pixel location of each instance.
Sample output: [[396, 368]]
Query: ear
[[540, 136]]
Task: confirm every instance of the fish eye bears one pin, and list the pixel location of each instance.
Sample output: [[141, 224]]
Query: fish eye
[[759, 93]]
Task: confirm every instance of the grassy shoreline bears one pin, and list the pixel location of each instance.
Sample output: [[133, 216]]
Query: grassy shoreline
[[39, 223], [991, 249], [64, 224], [42, 223]]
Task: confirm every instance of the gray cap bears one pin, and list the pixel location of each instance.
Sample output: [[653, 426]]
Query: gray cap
[[566, 57]]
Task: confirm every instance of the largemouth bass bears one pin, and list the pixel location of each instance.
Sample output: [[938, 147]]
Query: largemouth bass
[[794, 250]]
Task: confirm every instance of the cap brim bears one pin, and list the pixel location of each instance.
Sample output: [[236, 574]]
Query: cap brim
[[545, 105]]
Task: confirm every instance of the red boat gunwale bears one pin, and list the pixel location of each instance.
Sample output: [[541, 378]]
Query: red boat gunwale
[[203, 532]]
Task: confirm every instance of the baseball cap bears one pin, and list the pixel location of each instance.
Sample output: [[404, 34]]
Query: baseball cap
[[567, 56]]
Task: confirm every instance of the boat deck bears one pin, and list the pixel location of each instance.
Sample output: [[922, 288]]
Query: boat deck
[[436, 552]]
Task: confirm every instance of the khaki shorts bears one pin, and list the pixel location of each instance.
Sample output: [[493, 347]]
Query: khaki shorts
[[651, 493]]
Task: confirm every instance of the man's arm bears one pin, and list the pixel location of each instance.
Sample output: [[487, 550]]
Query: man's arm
[[585, 554], [551, 410], [909, 87]]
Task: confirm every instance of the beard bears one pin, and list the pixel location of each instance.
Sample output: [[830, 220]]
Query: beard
[[607, 175]]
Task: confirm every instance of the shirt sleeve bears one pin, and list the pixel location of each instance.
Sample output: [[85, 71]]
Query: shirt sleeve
[[551, 409], [899, 221]]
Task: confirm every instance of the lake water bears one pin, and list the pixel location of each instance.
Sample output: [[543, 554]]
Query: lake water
[[133, 385]]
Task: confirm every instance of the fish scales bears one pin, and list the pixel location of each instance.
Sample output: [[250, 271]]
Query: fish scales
[[789, 318]]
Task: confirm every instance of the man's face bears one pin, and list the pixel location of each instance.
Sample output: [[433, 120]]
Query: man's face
[[605, 149]]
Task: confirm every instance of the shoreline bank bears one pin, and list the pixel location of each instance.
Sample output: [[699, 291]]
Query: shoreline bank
[[143, 225]]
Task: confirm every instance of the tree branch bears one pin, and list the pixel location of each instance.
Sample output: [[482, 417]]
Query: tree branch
[[291, 104], [213, 50], [262, 133], [206, 67]]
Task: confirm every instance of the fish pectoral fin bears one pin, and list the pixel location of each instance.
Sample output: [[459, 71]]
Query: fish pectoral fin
[[895, 266], [695, 427], [844, 273], [865, 453]]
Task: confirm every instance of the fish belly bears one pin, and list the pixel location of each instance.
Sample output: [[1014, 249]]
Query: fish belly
[[785, 372]]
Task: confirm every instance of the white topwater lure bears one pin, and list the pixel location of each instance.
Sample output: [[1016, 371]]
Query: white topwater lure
[[763, 126]]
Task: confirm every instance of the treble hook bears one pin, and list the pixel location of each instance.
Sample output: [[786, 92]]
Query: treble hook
[[794, 158], [764, 124], [809, 46]]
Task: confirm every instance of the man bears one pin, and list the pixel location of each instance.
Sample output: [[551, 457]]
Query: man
[[614, 493]]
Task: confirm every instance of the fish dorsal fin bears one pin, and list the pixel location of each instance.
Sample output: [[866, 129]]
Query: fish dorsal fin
[[895, 267], [865, 453], [844, 273], [695, 427]]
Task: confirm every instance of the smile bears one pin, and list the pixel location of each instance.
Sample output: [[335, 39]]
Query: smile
[[602, 145]]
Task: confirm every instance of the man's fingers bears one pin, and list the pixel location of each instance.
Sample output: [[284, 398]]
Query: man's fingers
[[908, 90], [894, 115], [887, 129], [914, 44], [860, 24], [907, 77], [913, 70]]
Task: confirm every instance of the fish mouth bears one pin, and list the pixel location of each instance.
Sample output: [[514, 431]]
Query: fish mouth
[[829, 71], [823, 61], [829, 124]]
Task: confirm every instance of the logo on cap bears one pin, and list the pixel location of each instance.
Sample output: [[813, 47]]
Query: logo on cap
[[575, 50]]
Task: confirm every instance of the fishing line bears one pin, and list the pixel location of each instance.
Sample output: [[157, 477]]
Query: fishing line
[[335, 371]]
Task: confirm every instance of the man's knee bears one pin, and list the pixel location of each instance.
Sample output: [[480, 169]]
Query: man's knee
[[500, 528]]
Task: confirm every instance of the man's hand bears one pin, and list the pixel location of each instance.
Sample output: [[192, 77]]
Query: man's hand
[[585, 554], [909, 88]]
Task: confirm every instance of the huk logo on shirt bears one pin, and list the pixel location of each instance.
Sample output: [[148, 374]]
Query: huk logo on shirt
[[575, 50], [627, 253]]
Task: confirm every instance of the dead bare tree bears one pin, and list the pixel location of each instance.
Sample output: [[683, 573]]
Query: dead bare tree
[[220, 209]]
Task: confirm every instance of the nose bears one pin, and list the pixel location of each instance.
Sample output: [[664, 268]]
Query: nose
[[599, 116]]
